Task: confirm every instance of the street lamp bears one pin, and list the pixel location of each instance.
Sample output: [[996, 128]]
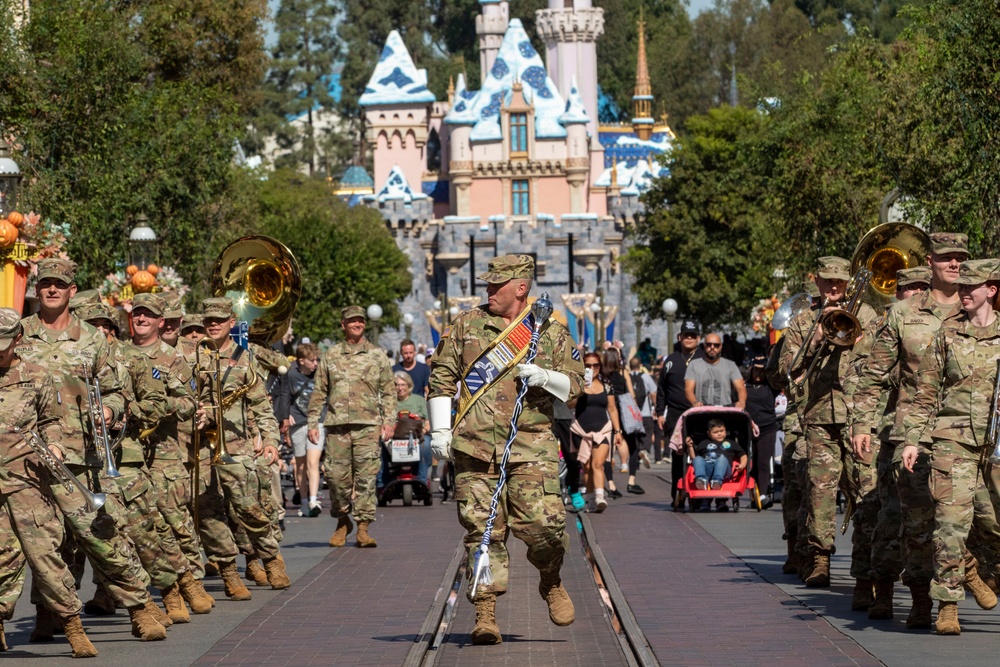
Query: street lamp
[[10, 181], [408, 324], [670, 310], [142, 246], [375, 312]]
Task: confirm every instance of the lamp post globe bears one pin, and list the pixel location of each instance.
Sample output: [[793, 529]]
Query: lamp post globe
[[670, 310], [374, 312], [10, 181], [669, 307]]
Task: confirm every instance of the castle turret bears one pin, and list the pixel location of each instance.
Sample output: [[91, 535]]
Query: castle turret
[[570, 34], [575, 120], [642, 98], [490, 28]]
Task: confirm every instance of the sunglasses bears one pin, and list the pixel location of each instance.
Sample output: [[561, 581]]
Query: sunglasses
[[713, 344], [592, 365]]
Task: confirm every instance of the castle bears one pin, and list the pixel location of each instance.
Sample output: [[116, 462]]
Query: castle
[[518, 163]]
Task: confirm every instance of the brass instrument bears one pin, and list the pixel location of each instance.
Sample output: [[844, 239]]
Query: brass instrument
[[883, 250], [789, 310], [993, 427], [804, 346], [841, 326], [95, 410], [215, 435], [60, 472], [261, 276]]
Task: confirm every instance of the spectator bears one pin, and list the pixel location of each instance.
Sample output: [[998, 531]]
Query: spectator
[[562, 422], [290, 407], [645, 397], [733, 350], [595, 427], [659, 446], [419, 372], [628, 451], [647, 353], [407, 401], [713, 380], [713, 458], [761, 397], [671, 400]]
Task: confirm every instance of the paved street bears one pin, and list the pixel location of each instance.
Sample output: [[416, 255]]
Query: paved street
[[703, 589]]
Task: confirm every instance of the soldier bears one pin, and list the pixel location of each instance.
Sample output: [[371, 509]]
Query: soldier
[[243, 399], [173, 313], [31, 527], [354, 381], [166, 459], [192, 328], [950, 405], [909, 326], [822, 406], [71, 351], [481, 355]]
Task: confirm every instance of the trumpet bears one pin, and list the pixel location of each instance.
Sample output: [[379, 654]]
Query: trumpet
[[216, 436], [60, 472], [95, 404], [993, 427]]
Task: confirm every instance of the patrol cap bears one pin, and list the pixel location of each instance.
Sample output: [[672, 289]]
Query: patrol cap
[[91, 312], [945, 242], [976, 271], [10, 327], [81, 298], [217, 306], [58, 268], [171, 305], [914, 276], [150, 302], [352, 311], [689, 327], [508, 267], [834, 268], [192, 321]]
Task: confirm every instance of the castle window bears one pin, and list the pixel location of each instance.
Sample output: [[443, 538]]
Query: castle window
[[519, 133], [520, 200], [433, 151]]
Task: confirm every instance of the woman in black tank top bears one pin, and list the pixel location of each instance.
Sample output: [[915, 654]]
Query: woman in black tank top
[[594, 411]]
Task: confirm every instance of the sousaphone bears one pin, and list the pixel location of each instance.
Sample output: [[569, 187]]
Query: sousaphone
[[884, 250]]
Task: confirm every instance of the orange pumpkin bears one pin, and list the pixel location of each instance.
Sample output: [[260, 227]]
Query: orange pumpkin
[[8, 234], [132, 270], [143, 281], [153, 269], [15, 218]]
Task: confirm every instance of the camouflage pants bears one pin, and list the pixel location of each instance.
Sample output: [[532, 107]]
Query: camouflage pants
[[154, 542], [530, 506], [802, 515], [917, 507], [866, 509], [264, 490], [791, 494], [829, 467], [887, 554], [274, 473], [101, 535], [352, 460], [31, 531], [957, 473], [172, 483], [238, 485]]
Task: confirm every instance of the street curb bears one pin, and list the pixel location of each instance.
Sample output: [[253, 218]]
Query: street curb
[[424, 650]]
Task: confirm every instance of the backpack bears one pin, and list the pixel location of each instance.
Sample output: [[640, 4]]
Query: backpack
[[639, 388]]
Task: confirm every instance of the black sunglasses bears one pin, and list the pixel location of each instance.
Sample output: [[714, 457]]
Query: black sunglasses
[[713, 344], [592, 365]]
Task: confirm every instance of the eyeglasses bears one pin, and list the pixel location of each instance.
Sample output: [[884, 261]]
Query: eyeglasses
[[592, 365], [713, 344]]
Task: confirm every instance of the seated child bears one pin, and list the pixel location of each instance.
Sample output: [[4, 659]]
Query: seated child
[[712, 458]]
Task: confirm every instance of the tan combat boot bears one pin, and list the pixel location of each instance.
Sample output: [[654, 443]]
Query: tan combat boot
[[255, 572], [791, 565], [144, 626], [44, 625], [864, 595], [78, 641], [561, 610], [102, 604], [881, 608], [947, 619], [985, 598], [158, 615], [276, 575], [3, 638], [364, 539], [344, 527], [486, 631], [211, 569], [174, 604], [819, 577], [235, 590], [195, 594], [920, 612]]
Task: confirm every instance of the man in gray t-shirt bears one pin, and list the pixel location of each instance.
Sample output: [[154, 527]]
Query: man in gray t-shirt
[[712, 380]]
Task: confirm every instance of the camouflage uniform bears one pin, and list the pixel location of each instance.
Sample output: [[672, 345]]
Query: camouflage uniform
[[950, 405], [246, 419], [909, 326], [355, 383], [68, 356], [823, 409], [31, 526], [531, 503]]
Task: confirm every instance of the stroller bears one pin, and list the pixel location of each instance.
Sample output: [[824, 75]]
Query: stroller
[[401, 460], [694, 424]]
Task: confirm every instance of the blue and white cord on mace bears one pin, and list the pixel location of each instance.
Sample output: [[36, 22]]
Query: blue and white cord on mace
[[482, 574]]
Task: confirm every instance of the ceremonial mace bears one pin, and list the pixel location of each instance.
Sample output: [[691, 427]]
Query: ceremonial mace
[[482, 574]]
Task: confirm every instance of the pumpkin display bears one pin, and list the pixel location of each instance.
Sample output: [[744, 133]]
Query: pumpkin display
[[153, 269], [8, 234], [15, 218], [131, 270], [143, 281]]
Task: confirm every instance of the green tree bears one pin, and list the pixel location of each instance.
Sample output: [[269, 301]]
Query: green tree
[[346, 255]]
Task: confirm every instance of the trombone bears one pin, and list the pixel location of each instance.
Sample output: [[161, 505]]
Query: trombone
[[95, 410], [216, 436]]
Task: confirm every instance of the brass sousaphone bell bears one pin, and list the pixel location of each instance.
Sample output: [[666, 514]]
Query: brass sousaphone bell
[[261, 276], [884, 250]]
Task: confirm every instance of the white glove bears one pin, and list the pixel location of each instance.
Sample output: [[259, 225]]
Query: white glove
[[554, 382], [439, 413]]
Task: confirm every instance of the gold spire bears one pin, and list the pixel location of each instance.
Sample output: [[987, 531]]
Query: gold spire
[[642, 99], [451, 90]]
